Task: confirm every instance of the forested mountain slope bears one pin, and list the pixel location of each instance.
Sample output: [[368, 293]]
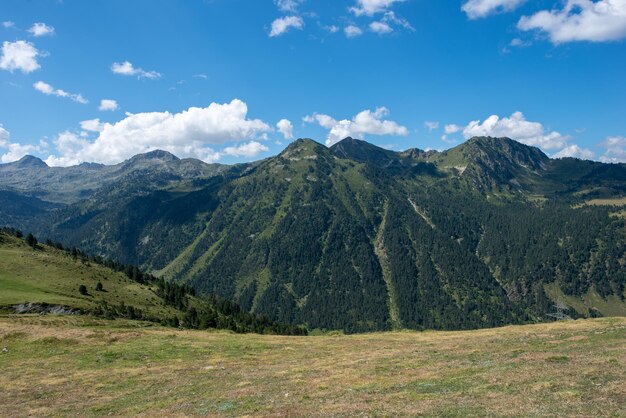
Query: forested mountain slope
[[360, 238]]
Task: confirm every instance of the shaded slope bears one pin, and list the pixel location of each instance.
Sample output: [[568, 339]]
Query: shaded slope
[[295, 239]]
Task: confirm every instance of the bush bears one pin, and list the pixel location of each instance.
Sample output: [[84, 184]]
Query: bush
[[99, 287], [82, 289]]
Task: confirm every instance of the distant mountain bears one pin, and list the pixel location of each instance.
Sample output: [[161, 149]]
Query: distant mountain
[[357, 237], [156, 169]]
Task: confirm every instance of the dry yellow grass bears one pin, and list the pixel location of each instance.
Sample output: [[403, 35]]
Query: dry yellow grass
[[82, 366], [621, 201]]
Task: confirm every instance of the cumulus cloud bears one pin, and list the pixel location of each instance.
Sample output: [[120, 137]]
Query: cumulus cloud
[[41, 29], [92, 125], [615, 150], [48, 90], [364, 123], [108, 105], [126, 68], [580, 20], [14, 151], [190, 133], [8, 24], [452, 129], [372, 7], [285, 127], [476, 9], [283, 24], [19, 55], [352, 31], [518, 128], [249, 150], [288, 5], [574, 151], [380, 27], [431, 126]]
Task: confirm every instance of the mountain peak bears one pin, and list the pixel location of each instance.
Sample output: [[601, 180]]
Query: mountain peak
[[522, 154], [303, 148], [157, 155], [359, 150], [153, 157], [30, 161]]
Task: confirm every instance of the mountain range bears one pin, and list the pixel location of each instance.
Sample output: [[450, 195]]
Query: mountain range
[[352, 237]]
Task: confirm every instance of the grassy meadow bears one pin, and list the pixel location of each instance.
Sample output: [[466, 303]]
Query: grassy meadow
[[80, 366], [51, 276]]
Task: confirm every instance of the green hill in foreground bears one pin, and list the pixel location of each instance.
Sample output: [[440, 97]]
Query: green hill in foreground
[[78, 366], [44, 278]]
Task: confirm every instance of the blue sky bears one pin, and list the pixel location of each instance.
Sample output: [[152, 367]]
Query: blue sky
[[237, 80]]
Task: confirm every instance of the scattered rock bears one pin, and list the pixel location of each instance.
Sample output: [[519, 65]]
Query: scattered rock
[[43, 308]]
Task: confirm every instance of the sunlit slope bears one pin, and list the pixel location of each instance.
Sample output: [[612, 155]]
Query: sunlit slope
[[51, 276]]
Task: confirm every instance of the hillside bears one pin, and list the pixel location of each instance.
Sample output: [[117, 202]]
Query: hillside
[[55, 366], [46, 279], [359, 238]]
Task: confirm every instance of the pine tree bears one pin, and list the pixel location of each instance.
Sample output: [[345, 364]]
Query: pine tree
[[31, 240]]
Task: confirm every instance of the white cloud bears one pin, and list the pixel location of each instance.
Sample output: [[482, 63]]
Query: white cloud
[[515, 43], [283, 24], [574, 151], [431, 126], [41, 29], [249, 150], [452, 129], [4, 136], [615, 150], [352, 31], [92, 125], [391, 19], [48, 90], [380, 28], [15, 151], [288, 5], [580, 20], [481, 8], [285, 127], [371, 7], [331, 28], [518, 128], [8, 24], [366, 122], [126, 68], [108, 105], [19, 55], [186, 134]]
